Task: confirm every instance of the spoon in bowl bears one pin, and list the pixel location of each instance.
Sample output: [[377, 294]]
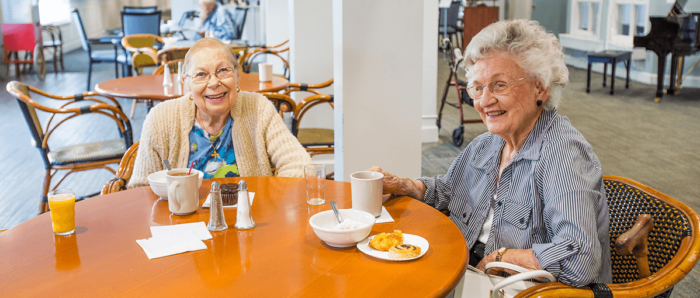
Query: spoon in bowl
[[167, 164], [337, 214]]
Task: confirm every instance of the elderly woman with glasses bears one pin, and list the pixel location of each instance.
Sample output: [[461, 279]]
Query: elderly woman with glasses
[[226, 132], [530, 190]]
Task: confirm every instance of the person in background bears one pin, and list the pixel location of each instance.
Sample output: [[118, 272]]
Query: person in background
[[226, 132], [216, 19], [530, 190]]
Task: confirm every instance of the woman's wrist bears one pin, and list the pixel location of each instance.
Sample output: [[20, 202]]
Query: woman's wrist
[[409, 187]]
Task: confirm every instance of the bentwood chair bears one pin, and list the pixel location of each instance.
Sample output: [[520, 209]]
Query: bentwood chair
[[315, 140], [248, 58], [142, 44], [660, 260], [123, 175], [55, 42], [95, 55], [282, 102], [140, 23], [170, 54], [62, 109], [171, 64]]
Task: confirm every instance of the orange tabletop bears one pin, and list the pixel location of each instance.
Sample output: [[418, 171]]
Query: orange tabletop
[[151, 86], [280, 257]]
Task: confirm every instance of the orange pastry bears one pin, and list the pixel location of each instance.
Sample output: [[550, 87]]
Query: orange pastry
[[385, 241], [404, 251]]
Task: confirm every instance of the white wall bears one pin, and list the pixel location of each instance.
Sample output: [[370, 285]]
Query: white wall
[[311, 59], [378, 48], [276, 18], [430, 132]]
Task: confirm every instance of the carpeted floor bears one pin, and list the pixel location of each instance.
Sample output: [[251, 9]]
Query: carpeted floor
[[632, 136]]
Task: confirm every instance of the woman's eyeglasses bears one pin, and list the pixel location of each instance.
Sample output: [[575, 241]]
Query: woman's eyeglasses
[[203, 77], [496, 87]]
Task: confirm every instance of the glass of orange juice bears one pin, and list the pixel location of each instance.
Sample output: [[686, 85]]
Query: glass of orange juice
[[62, 205]]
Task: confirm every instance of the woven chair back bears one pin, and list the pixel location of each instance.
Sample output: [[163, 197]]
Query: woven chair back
[[626, 203], [30, 115]]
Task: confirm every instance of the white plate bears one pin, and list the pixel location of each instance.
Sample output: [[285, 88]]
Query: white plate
[[419, 241]]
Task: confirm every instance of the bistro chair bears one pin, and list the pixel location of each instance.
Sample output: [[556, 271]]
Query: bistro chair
[[97, 56], [660, 261], [239, 16], [455, 28], [142, 44], [170, 54], [282, 102], [247, 59], [55, 42], [72, 158], [315, 140], [172, 64], [123, 175]]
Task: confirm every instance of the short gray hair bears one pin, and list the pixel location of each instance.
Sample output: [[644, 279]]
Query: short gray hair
[[209, 43], [535, 50]]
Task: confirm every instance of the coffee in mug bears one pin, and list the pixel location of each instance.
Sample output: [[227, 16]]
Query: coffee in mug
[[183, 192]]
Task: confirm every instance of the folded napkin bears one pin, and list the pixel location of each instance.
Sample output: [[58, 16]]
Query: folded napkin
[[207, 202], [175, 239], [171, 244], [384, 217], [199, 229]]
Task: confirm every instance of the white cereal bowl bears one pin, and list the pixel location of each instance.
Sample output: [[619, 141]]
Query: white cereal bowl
[[160, 186], [323, 224]]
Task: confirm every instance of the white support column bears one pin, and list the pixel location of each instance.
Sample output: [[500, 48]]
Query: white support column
[[378, 53], [311, 59], [430, 133]]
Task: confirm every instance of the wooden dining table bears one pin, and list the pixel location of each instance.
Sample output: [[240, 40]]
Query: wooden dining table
[[280, 257], [150, 87]]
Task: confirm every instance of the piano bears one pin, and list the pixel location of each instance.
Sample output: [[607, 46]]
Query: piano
[[677, 34]]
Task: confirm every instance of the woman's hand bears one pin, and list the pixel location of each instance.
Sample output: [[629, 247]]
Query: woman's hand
[[401, 186], [522, 257]]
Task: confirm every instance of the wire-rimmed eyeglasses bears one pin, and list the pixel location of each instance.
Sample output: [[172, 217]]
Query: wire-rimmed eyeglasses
[[202, 77], [476, 91]]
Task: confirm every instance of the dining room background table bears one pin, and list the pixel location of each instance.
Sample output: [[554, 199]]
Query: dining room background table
[[280, 257], [150, 87]]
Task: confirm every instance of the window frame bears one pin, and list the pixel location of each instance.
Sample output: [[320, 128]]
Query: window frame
[[576, 20], [614, 37]]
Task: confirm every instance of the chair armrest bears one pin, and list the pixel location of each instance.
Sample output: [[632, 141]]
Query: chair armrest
[[126, 168]]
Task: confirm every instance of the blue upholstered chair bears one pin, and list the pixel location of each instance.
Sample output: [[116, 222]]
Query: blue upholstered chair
[[96, 56]]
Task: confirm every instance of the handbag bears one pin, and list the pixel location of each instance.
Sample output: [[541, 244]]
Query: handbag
[[476, 283]]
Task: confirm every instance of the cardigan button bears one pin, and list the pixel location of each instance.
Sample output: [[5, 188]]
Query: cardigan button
[[522, 220], [570, 247]]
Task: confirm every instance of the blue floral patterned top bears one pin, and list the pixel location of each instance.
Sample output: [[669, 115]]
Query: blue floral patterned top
[[213, 155]]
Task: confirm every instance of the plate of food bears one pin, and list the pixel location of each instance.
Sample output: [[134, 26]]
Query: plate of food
[[394, 246]]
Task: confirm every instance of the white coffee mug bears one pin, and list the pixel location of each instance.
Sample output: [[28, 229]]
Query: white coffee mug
[[265, 72], [183, 191], [367, 190]]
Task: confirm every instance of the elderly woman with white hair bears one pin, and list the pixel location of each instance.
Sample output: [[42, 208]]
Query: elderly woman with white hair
[[530, 190], [226, 132], [217, 20]]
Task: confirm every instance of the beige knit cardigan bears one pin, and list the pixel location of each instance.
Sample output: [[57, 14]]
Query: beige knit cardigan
[[260, 139]]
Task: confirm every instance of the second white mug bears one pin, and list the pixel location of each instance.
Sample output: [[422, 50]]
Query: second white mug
[[367, 188], [265, 72]]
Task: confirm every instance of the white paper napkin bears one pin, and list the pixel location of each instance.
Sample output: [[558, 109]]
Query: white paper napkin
[[207, 202], [171, 244], [199, 229], [384, 217]]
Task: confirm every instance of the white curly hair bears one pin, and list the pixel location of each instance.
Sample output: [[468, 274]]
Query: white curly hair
[[535, 50]]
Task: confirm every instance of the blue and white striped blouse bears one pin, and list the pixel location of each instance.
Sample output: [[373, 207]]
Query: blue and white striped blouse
[[550, 198]]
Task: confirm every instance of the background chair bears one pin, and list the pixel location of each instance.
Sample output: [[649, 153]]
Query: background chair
[[282, 102], [673, 244], [18, 38], [239, 15], [172, 64], [140, 23], [140, 9], [247, 59], [97, 56], [55, 42], [454, 24], [315, 140], [170, 54], [123, 175], [72, 158], [142, 44]]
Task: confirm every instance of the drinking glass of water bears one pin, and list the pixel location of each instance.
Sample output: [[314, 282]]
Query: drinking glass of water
[[315, 184]]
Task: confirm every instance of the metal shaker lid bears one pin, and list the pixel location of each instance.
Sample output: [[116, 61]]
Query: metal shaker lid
[[215, 186], [242, 185]]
